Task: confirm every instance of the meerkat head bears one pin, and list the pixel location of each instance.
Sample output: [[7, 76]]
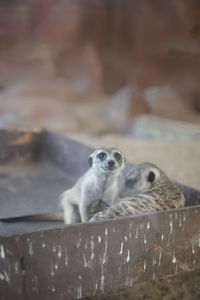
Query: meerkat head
[[106, 160], [146, 178]]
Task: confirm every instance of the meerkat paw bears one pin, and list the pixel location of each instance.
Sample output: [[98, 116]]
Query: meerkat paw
[[98, 216]]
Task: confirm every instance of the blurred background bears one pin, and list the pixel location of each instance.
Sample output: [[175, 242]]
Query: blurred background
[[101, 66], [121, 73]]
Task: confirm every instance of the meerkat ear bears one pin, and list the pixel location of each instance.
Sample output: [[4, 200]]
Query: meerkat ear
[[90, 161], [151, 177]]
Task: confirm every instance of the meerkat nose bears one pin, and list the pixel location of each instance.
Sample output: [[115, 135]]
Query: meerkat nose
[[111, 163]]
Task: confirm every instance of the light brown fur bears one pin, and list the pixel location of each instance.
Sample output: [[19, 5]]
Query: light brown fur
[[151, 189]]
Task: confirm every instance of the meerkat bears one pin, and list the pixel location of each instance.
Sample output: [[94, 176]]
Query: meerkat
[[151, 189], [100, 184]]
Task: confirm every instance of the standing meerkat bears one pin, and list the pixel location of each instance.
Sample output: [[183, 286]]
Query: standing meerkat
[[100, 184], [151, 190]]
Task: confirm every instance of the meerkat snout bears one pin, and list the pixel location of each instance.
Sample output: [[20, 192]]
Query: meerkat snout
[[111, 164]]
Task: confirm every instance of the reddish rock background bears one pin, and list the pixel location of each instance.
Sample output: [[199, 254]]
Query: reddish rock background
[[56, 54]]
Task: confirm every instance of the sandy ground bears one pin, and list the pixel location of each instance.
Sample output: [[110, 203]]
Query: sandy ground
[[181, 287]]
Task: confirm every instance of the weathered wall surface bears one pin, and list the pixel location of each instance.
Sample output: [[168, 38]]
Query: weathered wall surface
[[97, 47], [164, 36]]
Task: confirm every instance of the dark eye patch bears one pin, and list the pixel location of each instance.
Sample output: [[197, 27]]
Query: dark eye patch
[[151, 177], [102, 155], [117, 156]]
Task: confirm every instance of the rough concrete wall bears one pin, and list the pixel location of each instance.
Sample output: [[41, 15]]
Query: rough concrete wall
[[164, 36], [98, 47]]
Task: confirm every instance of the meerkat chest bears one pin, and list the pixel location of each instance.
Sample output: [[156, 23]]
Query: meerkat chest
[[102, 188], [110, 190]]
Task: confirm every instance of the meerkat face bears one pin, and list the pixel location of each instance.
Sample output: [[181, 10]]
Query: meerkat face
[[145, 177], [107, 160]]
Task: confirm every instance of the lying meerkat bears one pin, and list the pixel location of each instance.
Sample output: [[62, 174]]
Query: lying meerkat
[[100, 184], [152, 191]]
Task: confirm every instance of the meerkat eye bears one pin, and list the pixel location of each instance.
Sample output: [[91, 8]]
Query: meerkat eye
[[117, 155], [151, 177], [102, 155]]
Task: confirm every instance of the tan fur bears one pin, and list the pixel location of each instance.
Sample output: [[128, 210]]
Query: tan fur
[[151, 191]]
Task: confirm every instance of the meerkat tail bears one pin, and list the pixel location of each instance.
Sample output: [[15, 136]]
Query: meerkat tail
[[40, 217], [47, 217]]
